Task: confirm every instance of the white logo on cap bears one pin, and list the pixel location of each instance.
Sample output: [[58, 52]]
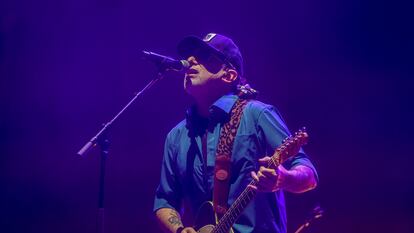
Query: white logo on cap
[[209, 37]]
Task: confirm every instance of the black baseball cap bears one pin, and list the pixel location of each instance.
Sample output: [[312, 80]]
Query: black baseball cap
[[221, 46]]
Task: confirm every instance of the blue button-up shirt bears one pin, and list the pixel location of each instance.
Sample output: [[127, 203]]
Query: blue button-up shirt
[[186, 183]]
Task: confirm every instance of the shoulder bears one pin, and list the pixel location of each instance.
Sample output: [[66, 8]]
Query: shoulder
[[176, 132], [255, 108]]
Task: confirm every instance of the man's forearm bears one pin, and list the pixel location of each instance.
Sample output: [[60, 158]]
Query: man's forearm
[[302, 179], [169, 219]]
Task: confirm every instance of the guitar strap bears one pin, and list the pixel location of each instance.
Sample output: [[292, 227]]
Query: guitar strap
[[223, 158]]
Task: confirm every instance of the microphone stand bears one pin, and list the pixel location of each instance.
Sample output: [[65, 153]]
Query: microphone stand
[[101, 139]]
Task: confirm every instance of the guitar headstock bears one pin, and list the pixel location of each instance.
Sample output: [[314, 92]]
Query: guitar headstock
[[291, 146]]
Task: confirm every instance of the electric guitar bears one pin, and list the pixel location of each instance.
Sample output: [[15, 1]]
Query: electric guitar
[[206, 219]]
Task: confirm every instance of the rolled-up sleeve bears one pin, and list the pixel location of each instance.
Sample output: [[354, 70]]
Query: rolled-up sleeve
[[168, 192], [272, 127]]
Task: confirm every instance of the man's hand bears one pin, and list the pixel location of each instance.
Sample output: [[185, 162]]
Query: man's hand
[[298, 179]]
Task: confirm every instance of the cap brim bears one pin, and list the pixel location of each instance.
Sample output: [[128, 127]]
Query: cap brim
[[191, 45]]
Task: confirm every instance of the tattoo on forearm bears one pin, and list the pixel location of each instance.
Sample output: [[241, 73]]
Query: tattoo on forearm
[[174, 219]]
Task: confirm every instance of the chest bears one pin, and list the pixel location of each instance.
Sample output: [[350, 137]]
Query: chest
[[195, 158]]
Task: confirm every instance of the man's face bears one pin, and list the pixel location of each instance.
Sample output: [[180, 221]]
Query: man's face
[[204, 74]]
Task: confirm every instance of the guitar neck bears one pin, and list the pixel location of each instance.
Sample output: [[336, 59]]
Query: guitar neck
[[235, 210]]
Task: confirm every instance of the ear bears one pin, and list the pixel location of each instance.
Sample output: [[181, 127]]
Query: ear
[[229, 76]]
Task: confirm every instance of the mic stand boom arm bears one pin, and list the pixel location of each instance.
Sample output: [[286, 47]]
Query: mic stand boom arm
[[95, 140]]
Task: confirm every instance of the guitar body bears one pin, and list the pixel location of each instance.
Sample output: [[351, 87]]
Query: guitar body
[[206, 219], [206, 229]]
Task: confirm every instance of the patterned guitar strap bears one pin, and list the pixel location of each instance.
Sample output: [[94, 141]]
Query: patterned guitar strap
[[223, 158]]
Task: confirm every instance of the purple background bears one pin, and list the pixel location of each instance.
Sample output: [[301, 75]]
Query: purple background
[[341, 68]]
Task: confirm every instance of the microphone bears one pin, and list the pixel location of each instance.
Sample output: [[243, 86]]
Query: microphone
[[166, 63]]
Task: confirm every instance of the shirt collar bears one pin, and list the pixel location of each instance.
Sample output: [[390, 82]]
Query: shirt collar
[[225, 103], [219, 110]]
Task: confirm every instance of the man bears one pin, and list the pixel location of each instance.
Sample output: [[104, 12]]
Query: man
[[213, 81]]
